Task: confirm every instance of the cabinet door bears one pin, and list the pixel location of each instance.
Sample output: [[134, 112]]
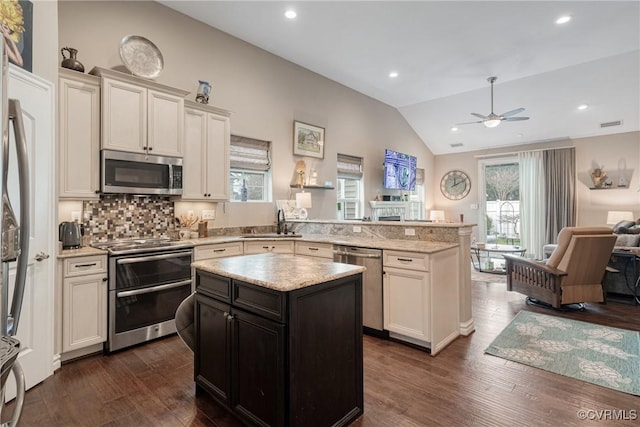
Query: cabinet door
[[266, 246], [213, 352], [84, 311], [124, 116], [194, 161], [79, 114], [406, 303], [218, 139], [165, 124], [258, 354]]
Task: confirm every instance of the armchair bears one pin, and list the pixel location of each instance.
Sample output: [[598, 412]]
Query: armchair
[[573, 273]]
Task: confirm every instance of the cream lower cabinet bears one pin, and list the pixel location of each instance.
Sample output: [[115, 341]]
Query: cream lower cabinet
[[268, 246], [207, 133], [314, 249], [217, 250], [79, 127], [420, 297], [84, 302]]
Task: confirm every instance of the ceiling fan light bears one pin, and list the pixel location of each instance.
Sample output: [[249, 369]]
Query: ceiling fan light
[[491, 123]]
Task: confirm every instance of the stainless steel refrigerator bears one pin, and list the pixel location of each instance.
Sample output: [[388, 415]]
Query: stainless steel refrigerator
[[14, 241]]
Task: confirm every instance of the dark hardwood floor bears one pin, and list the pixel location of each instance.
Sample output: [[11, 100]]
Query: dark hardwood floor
[[152, 385]]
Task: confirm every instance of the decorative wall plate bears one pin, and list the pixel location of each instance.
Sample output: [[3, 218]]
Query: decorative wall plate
[[141, 56]]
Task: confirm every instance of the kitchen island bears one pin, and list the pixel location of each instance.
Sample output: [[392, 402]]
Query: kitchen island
[[278, 338]]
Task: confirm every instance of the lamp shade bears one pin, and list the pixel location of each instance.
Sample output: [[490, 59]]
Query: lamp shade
[[436, 215], [303, 200], [614, 217]]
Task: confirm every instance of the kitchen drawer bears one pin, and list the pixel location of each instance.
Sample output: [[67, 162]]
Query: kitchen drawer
[[214, 286], [322, 250], [407, 260], [268, 246], [218, 250], [82, 266], [258, 300]]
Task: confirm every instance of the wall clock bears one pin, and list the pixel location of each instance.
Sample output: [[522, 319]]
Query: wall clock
[[455, 185]]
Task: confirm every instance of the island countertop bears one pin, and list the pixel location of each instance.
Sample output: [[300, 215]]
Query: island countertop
[[280, 272]]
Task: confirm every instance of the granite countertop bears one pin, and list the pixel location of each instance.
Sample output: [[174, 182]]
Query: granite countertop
[[420, 246], [83, 251], [281, 272]]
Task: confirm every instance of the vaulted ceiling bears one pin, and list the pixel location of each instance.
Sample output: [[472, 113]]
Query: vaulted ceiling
[[444, 52]]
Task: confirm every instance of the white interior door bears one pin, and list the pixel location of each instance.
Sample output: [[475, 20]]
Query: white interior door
[[36, 325]]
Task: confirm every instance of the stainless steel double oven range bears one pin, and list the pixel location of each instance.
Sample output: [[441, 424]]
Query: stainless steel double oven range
[[148, 279]]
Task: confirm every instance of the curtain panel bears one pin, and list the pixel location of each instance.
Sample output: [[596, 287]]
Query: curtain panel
[[560, 188]]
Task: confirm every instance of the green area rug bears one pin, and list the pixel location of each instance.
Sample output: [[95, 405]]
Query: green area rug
[[601, 355]]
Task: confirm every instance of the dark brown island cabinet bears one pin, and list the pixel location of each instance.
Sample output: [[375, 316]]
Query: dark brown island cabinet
[[280, 349]]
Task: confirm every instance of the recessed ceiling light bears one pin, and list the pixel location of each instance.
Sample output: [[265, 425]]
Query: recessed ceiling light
[[393, 74], [563, 19], [290, 14], [454, 129], [583, 107], [519, 135]]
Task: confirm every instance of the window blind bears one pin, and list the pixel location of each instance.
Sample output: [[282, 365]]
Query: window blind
[[249, 153], [349, 166]]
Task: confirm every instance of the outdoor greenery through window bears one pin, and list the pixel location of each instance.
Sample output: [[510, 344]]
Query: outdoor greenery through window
[[350, 187], [250, 161], [502, 189]]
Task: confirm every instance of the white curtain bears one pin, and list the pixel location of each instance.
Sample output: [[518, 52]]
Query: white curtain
[[532, 202]]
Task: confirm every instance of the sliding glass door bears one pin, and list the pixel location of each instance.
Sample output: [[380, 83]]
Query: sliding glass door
[[499, 220]]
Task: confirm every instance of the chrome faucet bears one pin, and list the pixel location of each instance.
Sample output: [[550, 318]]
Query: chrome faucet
[[280, 222]]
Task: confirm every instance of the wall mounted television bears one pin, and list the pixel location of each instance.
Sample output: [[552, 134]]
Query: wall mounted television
[[399, 171]]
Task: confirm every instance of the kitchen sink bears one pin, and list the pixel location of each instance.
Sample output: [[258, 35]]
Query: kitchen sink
[[269, 236]]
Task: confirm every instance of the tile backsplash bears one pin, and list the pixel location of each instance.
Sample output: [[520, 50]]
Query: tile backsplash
[[124, 216]]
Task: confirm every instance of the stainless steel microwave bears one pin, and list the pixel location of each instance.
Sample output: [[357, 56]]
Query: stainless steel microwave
[[133, 173]]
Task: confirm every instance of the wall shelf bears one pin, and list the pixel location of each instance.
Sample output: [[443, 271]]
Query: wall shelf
[[612, 187], [317, 187]]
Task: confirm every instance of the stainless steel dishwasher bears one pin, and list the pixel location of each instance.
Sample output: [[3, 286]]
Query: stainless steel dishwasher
[[371, 259]]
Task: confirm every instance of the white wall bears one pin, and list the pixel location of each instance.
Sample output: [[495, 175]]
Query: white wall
[[608, 151], [264, 93]]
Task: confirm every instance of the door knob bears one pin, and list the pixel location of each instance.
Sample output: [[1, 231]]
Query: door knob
[[41, 256]]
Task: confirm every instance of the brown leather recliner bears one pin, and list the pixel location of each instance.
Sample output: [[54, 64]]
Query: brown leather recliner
[[573, 273]]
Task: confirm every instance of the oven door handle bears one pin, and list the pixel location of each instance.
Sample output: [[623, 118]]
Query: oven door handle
[[153, 289], [152, 257]]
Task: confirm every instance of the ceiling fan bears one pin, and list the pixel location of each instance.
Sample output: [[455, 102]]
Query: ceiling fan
[[493, 120]]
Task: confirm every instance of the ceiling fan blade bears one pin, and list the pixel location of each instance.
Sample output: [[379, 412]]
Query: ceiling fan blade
[[514, 119], [468, 123], [512, 112], [480, 116]]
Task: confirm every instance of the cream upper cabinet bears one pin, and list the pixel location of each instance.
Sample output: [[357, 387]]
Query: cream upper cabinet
[[207, 133], [141, 116], [79, 115]]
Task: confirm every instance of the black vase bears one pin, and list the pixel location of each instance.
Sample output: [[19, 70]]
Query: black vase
[[71, 62]]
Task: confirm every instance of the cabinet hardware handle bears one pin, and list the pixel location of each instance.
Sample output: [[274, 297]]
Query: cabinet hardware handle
[[405, 259], [313, 249], [226, 315], [219, 250], [265, 247], [150, 148], [104, 279], [41, 256], [86, 265]]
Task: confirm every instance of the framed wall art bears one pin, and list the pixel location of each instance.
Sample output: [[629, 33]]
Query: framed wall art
[[308, 140], [16, 22]]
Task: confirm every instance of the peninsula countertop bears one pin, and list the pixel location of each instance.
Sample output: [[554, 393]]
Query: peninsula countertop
[[280, 272]]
